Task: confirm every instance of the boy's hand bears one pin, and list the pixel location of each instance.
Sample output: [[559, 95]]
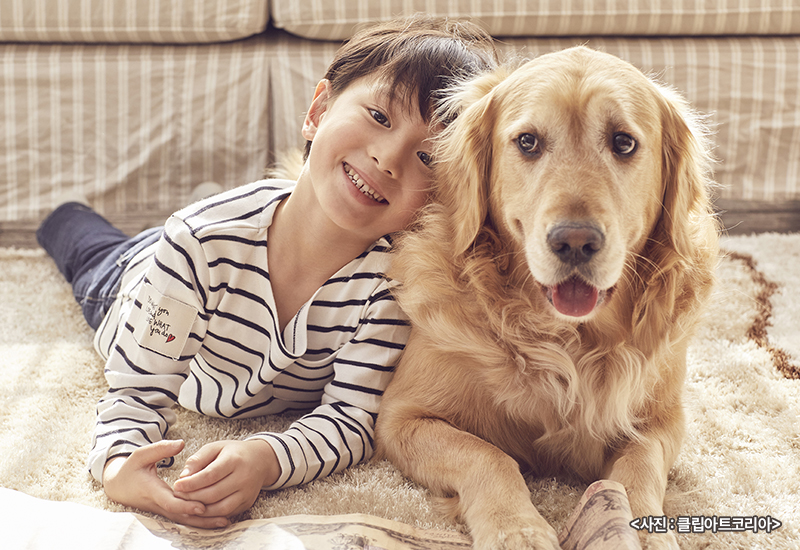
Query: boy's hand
[[133, 481], [227, 476]]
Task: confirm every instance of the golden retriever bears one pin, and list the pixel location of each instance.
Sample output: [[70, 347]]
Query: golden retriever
[[553, 285]]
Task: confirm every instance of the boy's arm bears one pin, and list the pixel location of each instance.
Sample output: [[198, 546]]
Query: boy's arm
[[227, 476], [149, 360], [339, 433]]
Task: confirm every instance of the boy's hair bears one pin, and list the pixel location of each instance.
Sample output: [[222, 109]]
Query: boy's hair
[[418, 56]]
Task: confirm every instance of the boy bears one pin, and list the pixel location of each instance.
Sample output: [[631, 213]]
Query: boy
[[269, 297]]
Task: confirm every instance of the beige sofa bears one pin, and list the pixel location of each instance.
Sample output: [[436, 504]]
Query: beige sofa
[[134, 103]]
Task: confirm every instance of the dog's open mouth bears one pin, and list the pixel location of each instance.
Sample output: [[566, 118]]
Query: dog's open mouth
[[575, 297]]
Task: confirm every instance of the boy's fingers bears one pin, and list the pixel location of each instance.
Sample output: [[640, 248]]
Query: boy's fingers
[[228, 506], [208, 493], [188, 512], [156, 452], [207, 478], [202, 470], [201, 459], [172, 506]]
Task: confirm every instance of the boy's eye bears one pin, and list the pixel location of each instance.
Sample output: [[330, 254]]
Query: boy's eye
[[379, 117], [425, 158]]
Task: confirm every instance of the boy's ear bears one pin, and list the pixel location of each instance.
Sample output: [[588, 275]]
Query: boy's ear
[[318, 106]]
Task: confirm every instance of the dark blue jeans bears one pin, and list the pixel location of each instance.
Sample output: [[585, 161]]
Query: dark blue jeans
[[91, 253]]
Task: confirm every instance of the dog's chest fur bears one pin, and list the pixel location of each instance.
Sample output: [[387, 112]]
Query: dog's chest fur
[[550, 407]]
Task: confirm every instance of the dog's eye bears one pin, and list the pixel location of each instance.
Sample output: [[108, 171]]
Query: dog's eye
[[528, 144], [624, 144]]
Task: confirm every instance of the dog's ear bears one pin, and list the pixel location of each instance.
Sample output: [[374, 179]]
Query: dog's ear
[[680, 254], [464, 157], [686, 168]]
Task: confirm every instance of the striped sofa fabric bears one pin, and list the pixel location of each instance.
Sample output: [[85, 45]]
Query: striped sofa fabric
[[336, 19], [134, 103]]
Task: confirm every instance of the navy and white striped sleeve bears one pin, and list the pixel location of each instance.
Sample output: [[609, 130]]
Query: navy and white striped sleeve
[[340, 432], [149, 360]]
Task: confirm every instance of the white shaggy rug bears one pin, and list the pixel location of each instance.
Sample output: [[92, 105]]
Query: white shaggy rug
[[740, 462]]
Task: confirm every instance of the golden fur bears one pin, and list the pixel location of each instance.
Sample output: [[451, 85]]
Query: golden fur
[[494, 377]]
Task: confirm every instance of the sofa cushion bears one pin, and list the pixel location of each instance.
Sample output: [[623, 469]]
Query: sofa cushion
[[133, 127], [131, 21], [337, 19]]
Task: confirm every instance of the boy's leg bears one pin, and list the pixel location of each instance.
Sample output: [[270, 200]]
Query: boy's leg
[[77, 238], [86, 249]]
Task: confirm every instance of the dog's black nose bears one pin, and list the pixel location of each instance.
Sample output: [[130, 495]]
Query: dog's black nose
[[575, 243]]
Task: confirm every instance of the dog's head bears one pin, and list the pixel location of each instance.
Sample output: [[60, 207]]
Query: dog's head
[[580, 161]]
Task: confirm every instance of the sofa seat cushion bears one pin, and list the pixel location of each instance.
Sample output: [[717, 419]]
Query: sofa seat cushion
[[131, 21], [337, 19], [133, 127]]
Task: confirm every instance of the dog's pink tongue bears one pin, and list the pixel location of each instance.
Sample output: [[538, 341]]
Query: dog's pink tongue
[[574, 297]]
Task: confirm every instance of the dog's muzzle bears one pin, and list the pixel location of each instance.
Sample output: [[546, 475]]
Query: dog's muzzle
[[575, 244]]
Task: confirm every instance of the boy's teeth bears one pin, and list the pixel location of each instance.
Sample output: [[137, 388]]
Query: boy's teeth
[[363, 187]]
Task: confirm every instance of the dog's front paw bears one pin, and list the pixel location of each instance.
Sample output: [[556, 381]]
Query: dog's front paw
[[527, 535]]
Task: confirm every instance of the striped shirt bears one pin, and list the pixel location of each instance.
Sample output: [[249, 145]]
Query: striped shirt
[[195, 323]]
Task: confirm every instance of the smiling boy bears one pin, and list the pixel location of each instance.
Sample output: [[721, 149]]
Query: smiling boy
[[270, 297]]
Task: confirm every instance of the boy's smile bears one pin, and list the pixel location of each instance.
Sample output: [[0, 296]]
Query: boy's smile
[[363, 186]]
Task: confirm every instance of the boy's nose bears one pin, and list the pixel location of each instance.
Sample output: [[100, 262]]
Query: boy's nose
[[384, 166], [388, 156]]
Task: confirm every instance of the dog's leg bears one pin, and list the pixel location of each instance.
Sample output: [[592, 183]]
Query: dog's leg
[[643, 468], [493, 499]]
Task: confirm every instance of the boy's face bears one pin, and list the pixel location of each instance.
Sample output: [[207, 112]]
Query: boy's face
[[369, 158]]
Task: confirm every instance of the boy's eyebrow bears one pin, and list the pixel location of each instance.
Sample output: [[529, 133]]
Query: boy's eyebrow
[[394, 95], [383, 91]]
